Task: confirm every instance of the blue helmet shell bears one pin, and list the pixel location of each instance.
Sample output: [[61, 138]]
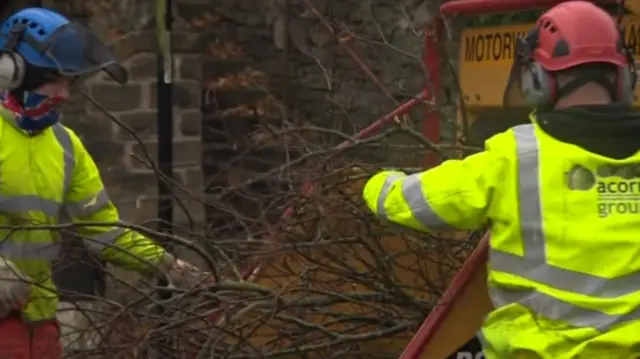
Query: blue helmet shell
[[40, 24]]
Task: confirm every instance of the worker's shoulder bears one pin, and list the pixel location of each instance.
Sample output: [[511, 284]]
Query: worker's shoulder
[[507, 141], [75, 140], [74, 136]]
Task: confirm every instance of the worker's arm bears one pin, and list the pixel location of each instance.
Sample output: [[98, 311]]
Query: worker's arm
[[87, 201], [455, 194]]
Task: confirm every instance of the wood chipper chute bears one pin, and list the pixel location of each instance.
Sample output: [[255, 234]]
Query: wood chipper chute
[[486, 56]]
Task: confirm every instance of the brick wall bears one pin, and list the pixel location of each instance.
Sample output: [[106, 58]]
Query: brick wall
[[130, 176]]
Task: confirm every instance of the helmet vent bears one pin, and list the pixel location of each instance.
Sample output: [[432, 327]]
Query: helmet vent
[[561, 49], [547, 25], [31, 24]]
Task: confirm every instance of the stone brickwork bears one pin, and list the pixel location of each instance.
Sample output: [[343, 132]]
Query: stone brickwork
[[125, 150], [134, 106]]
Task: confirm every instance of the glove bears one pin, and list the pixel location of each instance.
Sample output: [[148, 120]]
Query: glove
[[185, 274], [182, 273], [15, 287]]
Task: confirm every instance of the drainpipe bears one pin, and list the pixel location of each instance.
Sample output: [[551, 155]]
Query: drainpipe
[[165, 113], [164, 91]]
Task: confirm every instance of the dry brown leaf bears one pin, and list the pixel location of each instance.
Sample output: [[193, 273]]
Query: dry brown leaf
[[226, 50], [198, 22]]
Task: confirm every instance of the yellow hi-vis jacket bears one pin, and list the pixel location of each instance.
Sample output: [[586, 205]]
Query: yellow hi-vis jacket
[[564, 264], [41, 177]]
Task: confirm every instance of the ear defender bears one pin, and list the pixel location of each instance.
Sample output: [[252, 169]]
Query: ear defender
[[539, 88], [12, 70], [537, 85], [627, 76], [12, 65]]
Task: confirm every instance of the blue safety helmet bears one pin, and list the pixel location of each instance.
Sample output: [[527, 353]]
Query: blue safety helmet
[[48, 40]]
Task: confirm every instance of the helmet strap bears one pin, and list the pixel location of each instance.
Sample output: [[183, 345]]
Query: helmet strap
[[585, 76], [15, 36], [34, 77]]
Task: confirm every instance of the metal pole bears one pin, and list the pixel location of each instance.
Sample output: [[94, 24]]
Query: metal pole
[[165, 113], [164, 92]]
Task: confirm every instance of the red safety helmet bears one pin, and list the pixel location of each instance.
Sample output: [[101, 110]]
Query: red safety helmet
[[571, 34]]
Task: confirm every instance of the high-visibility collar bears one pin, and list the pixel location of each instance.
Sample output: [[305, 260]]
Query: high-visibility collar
[[10, 117]]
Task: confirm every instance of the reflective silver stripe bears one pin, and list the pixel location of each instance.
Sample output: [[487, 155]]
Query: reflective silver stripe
[[64, 139], [418, 204], [384, 192], [29, 250], [103, 240], [556, 309], [28, 203], [533, 265], [565, 279], [88, 206]]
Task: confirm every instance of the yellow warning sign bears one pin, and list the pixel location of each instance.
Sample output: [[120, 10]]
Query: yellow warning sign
[[497, 44], [491, 44], [486, 55]]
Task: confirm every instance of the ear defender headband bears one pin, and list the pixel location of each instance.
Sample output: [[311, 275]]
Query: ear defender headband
[[630, 70], [12, 65], [540, 88]]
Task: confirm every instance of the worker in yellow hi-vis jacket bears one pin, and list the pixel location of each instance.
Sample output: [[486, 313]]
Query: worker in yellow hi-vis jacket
[[45, 170], [561, 197]]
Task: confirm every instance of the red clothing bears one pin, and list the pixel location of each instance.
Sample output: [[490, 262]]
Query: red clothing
[[20, 340]]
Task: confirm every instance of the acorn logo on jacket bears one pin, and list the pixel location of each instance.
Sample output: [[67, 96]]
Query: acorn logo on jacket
[[617, 187]]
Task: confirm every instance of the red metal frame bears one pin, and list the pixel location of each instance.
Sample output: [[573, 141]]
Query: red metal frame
[[439, 313]]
